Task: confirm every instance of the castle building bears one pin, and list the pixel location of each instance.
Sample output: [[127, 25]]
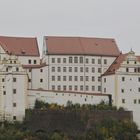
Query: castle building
[[78, 69]]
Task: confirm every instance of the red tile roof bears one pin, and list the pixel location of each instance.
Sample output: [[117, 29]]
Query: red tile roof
[[20, 46], [81, 46], [116, 64]]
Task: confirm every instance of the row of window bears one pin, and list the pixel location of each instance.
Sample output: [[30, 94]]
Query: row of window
[[135, 69], [123, 79], [75, 88], [9, 68], [30, 61], [14, 92], [74, 69], [75, 78], [14, 79], [30, 70], [135, 101], [122, 90], [77, 60]]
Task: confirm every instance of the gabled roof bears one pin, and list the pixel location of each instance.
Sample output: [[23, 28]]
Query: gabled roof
[[81, 46], [116, 64], [19, 46]]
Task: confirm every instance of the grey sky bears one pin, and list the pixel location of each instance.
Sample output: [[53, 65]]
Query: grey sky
[[119, 19]]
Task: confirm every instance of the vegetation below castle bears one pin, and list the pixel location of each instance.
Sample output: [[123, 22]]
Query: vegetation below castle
[[107, 129]]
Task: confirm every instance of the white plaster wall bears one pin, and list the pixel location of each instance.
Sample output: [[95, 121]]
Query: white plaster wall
[[61, 98]]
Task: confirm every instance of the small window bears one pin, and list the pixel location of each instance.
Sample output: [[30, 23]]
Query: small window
[[15, 62], [75, 88], [81, 69], [104, 80], [86, 69], [2, 79], [123, 79], [127, 69], [99, 79], [105, 61], [64, 87], [99, 61], [86, 88], [53, 60], [64, 60], [34, 61], [58, 69], [30, 70], [14, 91], [87, 78], [139, 79], [75, 59], [4, 92], [123, 101], [58, 78], [87, 60], [81, 88], [81, 59], [29, 61], [53, 69], [70, 78], [81, 78], [17, 69], [75, 78], [41, 70], [14, 104], [14, 79], [70, 59], [139, 101], [70, 87], [14, 118], [59, 87], [93, 69], [75, 69], [99, 70], [135, 101], [99, 88], [53, 87], [53, 78], [93, 61], [139, 89], [64, 78], [93, 88], [64, 69], [104, 90], [122, 90], [58, 60], [41, 80], [29, 80], [70, 69]]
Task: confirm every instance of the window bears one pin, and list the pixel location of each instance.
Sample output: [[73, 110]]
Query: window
[[135, 101], [53, 60], [104, 90], [64, 69], [139, 79], [81, 69], [14, 117], [93, 70], [81, 59], [122, 90], [4, 92], [30, 70], [75, 59], [17, 69], [53, 78], [139, 101], [14, 79], [81, 78], [123, 101], [86, 69], [41, 70], [86, 78], [64, 87], [75, 69], [64, 78], [87, 60], [53, 87], [53, 69], [34, 61], [70, 87], [6, 69], [127, 62], [29, 80], [81, 88], [135, 69], [105, 61], [75, 88], [41, 80], [58, 69], [99, 70], [75, 78], [14, 91], [127, 69], [2, 79], [93, 78], [70, 69], [123, 78], [93, 61], [139, 89], [70, 59], [14, 104], [58, 60], [29, 61], [104, 80], [64, 60], [70, 78], [86, 88], [58, 78], [99, 88], [99, 79], [93, 88], [15, 62], [99, 61], [59, 87]]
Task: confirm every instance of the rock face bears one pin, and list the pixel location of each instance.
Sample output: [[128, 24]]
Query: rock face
[[71, 122]]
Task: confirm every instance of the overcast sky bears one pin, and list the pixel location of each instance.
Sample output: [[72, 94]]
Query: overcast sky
[[119, 19]]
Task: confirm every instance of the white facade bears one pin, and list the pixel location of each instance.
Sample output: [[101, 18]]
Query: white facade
[[124, 85]]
